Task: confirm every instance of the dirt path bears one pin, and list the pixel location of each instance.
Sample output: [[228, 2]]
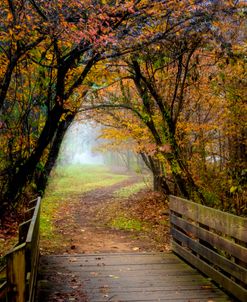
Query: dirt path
[[85, 228]]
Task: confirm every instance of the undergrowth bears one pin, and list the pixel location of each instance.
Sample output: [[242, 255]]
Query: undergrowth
[[126, 223], [74, 180], [130, 190]]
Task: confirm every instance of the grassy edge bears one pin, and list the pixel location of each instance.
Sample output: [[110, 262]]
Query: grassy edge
[[57, 195], [130, 190]]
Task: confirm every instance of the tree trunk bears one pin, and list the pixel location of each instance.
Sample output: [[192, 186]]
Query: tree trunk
[[24, 173], [42, 179], [183, 178], [159, 181]]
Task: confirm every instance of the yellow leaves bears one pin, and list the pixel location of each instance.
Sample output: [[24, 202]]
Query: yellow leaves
[[63, 117], [233, 189], [11, 32], [189, 127]]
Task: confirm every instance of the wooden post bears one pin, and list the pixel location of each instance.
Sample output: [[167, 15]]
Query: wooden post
[[16, 274], [22, 261]]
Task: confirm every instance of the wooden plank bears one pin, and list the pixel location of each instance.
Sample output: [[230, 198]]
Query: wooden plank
[[34, 221], [106, 263], [93, 283], [33, 200], [232, 268], [120, 256], [23, 230], [143, 297], [3, 284], [133, 274], [154, 281], [3, 292], [164, 281], [132, 268], [226, 223], [33, 273], [166, 284], [215, 240], [147, 296], [32, 250], [217, 276], [85, 262], [115, 259]]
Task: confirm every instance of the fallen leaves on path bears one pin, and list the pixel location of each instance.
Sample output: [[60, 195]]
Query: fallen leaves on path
[[84, 223]]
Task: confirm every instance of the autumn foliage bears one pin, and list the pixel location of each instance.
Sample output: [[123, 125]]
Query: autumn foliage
[[166, 78]]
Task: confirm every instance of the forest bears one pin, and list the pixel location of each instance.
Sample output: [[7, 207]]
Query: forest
[[165, 79]]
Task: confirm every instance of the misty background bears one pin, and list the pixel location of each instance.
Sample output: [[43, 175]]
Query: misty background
[[81, 146]]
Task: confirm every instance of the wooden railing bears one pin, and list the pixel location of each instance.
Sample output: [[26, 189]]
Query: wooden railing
[[22, 260], [3, 283], [212, 241]]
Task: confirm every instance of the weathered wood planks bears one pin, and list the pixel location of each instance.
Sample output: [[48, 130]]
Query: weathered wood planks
[[32, 251], [212, 241], [123, 277], [22, 260], [3, 284], [226, 223], [16, 274]]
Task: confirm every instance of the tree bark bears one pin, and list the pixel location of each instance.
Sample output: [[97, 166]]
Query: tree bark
[[42, 178], [23, 174], [180, 171], [159, 180]]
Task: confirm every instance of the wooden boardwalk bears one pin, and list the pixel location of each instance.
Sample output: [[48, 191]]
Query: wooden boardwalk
[[122, 277]]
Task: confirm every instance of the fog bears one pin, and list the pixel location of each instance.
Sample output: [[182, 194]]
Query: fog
[[79, 145]]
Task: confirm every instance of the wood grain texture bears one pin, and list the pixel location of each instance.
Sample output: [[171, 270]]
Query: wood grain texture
[[212, 241], [223, 243], [22, 260], [238, 291], [16, 281], [123, 277], [226, 223], [212, 257]]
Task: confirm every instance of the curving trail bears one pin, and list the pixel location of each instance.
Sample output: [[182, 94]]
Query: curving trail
[[97, 263], [85, 228]]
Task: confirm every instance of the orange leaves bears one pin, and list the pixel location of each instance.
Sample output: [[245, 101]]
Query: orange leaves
[[190, 127], [9, 17]]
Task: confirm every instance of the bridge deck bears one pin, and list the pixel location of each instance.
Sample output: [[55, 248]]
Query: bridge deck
[[122, 277]]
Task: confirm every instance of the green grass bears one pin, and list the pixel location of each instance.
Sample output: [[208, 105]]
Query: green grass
[[130, 190], [74, 180], [66, 183], [49, 206], [125, 223]]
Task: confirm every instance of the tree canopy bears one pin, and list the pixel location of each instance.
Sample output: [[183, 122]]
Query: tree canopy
[[169, 76]]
